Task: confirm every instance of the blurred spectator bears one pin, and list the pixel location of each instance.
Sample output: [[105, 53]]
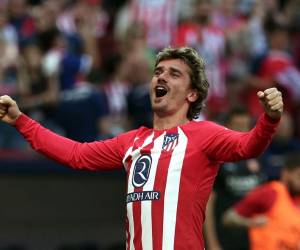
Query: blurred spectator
[[226, 16], [209, 40], [138, 98], [9, 54], [7, 31], [44, 17], [258, 41], [80, 113], [138, 61], [116, 90], [159, 18], [134, 42], [69, 66], [20, 18], [38, 93], [233, 182], [283, 142], [275, 68], [270, 212]]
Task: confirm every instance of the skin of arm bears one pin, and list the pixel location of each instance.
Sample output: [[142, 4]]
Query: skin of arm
[[232, 219]]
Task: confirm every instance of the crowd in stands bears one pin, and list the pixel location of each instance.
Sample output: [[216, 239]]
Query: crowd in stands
[[82, 67]]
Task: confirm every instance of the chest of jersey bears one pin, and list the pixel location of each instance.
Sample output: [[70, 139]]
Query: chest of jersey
[[154, 160]]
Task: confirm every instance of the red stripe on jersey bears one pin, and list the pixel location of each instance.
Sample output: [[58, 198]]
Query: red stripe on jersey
[[158, 206], [136, 206]]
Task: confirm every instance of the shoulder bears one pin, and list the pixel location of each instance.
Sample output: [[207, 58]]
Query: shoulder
[[204, 125], [203, 130], [258, 201], [130, 136], [264, 189]]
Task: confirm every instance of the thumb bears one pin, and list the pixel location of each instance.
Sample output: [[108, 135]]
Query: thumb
[[260, 94]]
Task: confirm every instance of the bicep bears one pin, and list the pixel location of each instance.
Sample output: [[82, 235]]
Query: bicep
[[225, 145], [98, 155], [107, 154]]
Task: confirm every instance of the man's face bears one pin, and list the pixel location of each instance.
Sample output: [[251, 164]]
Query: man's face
[[171, 87], [293, 181], [240, 122]]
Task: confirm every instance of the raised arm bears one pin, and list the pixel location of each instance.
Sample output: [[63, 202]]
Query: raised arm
[[227, 145], [106, 154]]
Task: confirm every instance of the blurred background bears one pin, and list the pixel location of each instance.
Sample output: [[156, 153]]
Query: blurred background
[[82, 68]]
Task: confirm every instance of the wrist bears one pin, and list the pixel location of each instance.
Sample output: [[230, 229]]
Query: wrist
[[16, 118], [272, 119]]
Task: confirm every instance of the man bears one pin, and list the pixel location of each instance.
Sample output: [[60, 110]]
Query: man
[[233, 181], [170, 168], [270, 212]]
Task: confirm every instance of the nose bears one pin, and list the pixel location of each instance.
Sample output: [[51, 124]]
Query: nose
[[162, 78]]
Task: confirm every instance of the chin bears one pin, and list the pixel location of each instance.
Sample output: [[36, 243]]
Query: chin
[[159, 109]]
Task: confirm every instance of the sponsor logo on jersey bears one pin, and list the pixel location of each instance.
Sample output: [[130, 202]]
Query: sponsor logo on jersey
[[142, 196], [141, 171], [170, 142]]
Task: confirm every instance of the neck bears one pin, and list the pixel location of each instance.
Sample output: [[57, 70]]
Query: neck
[[167, 122]]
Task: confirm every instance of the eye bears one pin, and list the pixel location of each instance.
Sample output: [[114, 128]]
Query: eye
[[175, 74], [157, 72]]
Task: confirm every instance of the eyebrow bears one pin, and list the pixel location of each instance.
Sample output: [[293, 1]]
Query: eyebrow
[[175, 70]]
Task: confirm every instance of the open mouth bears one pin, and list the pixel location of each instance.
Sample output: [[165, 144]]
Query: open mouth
[[160, 91]]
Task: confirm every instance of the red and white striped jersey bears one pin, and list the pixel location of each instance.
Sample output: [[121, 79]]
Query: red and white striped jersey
[[170, 173]]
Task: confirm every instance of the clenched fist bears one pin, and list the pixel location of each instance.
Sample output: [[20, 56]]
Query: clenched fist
[[271, 100], [9, 110]]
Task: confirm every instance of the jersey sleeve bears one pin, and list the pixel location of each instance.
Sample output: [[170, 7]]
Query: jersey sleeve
[[258, 201], [98, 155], [225, 145]]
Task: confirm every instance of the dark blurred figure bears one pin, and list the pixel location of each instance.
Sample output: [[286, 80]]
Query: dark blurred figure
[[233, 182], [38, 92], [283, 142], [80, 112], [138, 99]]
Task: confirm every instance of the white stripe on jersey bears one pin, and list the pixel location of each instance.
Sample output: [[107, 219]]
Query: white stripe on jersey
[[126, 155], [172, 192], [146, 206], [130, 187]]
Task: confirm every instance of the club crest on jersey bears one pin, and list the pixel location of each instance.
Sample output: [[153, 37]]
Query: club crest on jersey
[[141, 170], [170, 142]]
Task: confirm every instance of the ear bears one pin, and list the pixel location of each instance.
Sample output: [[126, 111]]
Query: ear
[[192, 96]]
